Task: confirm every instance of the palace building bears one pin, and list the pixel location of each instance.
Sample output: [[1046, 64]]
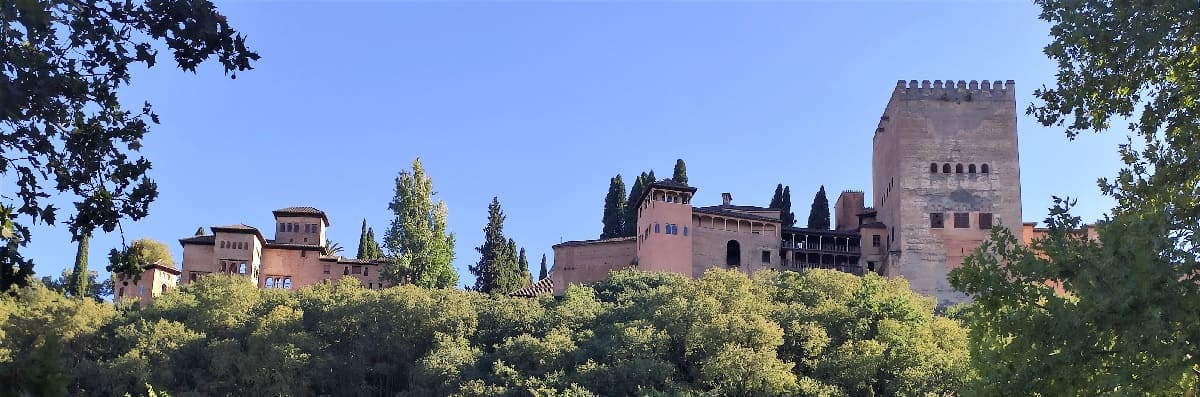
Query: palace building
[[293, 259], [945, 170]]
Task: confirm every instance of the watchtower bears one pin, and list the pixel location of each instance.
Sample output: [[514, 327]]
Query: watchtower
[[945, 170], [664, 238]]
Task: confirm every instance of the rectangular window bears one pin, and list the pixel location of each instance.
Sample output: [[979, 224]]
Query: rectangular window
[[356, 269], [281, 227], [870, 266], [656, 228], [962, 220], [325, 269], [875, 240], [685, 230], [985, 220], [766, 257], [316, 228], [936, 220]]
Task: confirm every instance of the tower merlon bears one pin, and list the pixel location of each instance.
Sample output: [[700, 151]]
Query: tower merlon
[[955, 89]]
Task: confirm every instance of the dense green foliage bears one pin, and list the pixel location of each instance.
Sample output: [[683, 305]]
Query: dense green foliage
[[63, 130], [368, 247], [200, 231], [680, 174], [818, 215], [97, 288], [523, 268], [420, 248], [497, 269], [545, 271], [79, 276], [1123, 320], [820, 333], [614, 209]]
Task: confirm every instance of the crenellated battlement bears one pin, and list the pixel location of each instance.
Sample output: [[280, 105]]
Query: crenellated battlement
[[951, 90]]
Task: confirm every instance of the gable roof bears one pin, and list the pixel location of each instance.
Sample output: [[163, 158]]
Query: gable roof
[[200, 240], [544, 286], [667, 184], [240, 228]]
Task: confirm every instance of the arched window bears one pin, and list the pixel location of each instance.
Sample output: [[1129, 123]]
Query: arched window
[[366, 270], [270, 282], [932, 168], [346, 272], [971, 169], [287, 283], [946, 168], [733, 254], [958, 169], [983, 168], [164, 289]]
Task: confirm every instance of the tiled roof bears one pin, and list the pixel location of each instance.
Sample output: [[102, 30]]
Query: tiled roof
[[544, 286], [664, 184], [237, 226], [198, 240], [600, 241], [280, 244], [719, 210], [302, 211]]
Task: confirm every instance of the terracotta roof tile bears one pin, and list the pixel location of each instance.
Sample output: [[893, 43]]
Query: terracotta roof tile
[[544, 286]]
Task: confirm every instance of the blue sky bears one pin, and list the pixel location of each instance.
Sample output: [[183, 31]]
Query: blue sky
[[540, 103]]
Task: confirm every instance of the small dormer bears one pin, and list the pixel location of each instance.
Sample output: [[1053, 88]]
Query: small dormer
[[300, 225]]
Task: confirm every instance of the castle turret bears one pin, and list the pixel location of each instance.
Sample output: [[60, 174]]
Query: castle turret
[[664, 240]]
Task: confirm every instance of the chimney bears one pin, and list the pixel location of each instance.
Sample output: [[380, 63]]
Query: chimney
[[726, 198]]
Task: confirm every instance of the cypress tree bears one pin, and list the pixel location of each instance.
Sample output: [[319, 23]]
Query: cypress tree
[[680, 172], [78, 287], [614, 209], [362, 243], [787, 217], [777, 199], [373, 250], [818, 216], [200, 231], [496, 270], [523, 268], [544, 272], [650, 178], [631, 205]]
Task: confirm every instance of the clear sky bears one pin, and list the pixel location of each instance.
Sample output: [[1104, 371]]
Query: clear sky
[[540, 103]]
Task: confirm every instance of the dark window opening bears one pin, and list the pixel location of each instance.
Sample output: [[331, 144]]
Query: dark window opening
[[971, 169], [946, 168], [733, 254], [937, 220], [932, 168], [985, 220], [958, 169], [875, 240], [870, 266], [983, 168], [766, 257], [962, 220]]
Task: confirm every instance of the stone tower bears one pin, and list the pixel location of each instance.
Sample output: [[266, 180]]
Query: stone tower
[[945, 169]]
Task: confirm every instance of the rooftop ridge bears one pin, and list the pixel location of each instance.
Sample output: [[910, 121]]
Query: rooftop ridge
[[955, 90]]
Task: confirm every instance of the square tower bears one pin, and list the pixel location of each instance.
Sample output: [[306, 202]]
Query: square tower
[[300, 225], [664, 242], [945, 170]]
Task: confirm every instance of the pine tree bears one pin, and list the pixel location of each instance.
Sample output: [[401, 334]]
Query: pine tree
[[420, 249], [680, 172], [818, 216], [631, 205], [787, 217], [614, 209], [200, 231], [777, 199], [545, 271], [523, 268], [363, 246], [496, 270], [79, 278]]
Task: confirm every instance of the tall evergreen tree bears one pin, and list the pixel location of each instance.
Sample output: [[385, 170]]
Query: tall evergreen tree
[[649, 179], [363, 246], [787, 217], [818, 216], [420, 249], [777, 199], [523, 268], [79, 278], [631, 205], [614, 209], [680, 172], [373, 250], [545, 271], [200, 231], [496, 270]]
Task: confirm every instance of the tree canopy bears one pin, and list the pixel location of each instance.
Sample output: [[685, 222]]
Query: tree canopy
[[420, 248], [614, 209], [497, 269], [814, 333], [63, 129], [680, 174], [818, 215], [1116, 314]]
